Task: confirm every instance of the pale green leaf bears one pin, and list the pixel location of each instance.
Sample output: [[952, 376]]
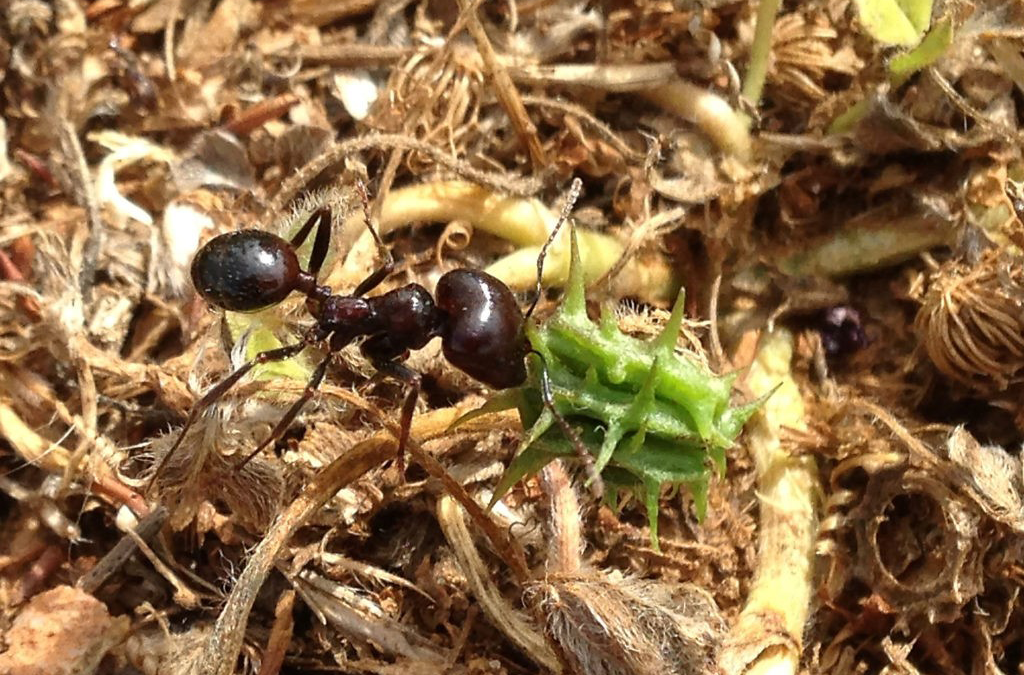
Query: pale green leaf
[[895, 22]]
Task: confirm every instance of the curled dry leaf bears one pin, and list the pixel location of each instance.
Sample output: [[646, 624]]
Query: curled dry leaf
[[807, 48], [991, 475]]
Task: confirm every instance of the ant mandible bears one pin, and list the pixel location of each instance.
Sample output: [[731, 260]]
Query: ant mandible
[[476, 315]]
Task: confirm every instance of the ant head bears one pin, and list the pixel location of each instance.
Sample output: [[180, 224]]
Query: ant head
[[245, 271]]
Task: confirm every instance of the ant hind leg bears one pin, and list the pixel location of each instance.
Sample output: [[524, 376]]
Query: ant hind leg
[[282, 426], [218, 390]]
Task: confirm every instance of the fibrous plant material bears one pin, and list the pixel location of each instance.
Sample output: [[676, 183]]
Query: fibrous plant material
[[651, 416], [971, 321], [607, 623], [512, 622], [220, 652], [923, 524], [131, 130]]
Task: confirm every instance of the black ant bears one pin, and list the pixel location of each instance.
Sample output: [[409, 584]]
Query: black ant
[[476, 315]]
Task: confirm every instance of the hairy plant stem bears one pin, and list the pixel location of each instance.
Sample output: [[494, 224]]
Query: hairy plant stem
[[767, 636]]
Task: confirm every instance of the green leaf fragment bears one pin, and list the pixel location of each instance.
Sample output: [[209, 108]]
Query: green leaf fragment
[[508, 399], [931, 49], [895, 22], [260, 331]]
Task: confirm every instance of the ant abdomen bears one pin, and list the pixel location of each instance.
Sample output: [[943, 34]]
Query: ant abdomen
[[245, 271], [482, 333]]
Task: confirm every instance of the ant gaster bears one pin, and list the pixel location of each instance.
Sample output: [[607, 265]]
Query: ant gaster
[[476, 315]]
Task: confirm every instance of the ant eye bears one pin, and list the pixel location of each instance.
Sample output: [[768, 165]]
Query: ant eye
[[245, 271]]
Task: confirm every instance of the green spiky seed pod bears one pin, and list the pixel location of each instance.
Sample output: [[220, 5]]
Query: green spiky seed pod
[[650, 414]]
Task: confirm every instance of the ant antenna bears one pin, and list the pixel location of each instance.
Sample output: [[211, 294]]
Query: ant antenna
[[574, 194], [548, 399], [364, 196], [383, 252]]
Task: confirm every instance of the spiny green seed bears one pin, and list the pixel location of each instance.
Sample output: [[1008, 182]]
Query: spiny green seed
[[651, 416]]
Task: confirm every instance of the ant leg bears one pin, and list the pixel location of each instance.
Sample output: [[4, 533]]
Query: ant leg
[[320, 215], [574, 195], [413, 380], [383, 252], [364, 197], [321, 242], [218, 390], [293, 411], [376, 277], [548, 399]]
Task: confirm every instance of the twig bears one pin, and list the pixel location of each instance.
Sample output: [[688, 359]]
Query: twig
[[354, 54], [32, 447], [566, 545], [169, 38], [505, 90], [611, 77], [183, 595], [280, 635], [85, 194], [257, 115], [717, 353], [146, 529], [335, 154]]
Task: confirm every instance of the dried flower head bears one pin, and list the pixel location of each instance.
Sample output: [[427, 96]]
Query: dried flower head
[[607, 624], [806, 47], [971, 322]]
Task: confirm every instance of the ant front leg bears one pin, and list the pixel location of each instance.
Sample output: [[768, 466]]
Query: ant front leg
[[218, 390], [548, 399]]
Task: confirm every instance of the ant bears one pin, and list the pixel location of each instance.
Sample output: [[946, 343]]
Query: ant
[[476, 315]]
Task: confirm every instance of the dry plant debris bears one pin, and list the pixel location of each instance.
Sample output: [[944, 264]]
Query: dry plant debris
[[971, 320], [843, 176], [62, 630]]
